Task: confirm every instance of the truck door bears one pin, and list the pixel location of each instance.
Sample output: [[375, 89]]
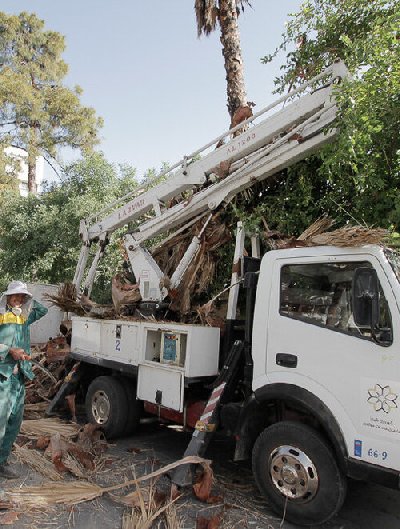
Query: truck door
[[314, 343]]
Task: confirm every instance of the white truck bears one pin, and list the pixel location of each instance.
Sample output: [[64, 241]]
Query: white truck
[[308, 383]]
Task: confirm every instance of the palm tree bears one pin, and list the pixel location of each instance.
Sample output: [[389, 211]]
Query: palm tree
[[209, 14]]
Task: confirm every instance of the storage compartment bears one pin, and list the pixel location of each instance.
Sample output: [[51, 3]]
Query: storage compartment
[[119, 341], [166, 347], [193, 347], [85, 335], [161, 385]]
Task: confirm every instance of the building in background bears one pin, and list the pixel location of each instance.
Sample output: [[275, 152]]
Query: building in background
[[22, 156]]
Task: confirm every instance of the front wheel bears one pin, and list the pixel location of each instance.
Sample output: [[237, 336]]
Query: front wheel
[[295, 469]]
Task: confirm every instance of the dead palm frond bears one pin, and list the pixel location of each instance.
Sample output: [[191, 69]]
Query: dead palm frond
[[317, 227], [74, 492], [35, 410], [74, 466], [172, 520], [207, 14], [317, 235], [66, 298], [201, 270], [66, 493], [37, 461], [144, 519], [43, 427], [351, 236]]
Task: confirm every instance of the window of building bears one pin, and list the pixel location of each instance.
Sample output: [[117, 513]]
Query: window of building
[[320, 293]]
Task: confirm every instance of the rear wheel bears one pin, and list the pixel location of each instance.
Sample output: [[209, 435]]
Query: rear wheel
[[107, 405], [295, 469]]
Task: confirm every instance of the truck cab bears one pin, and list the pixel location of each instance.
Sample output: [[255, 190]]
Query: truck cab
[[326, 356]]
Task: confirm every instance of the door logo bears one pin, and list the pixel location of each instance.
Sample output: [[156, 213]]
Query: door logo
[[382, 398]]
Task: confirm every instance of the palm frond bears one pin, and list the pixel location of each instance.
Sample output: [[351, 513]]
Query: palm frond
[[40, 427], [240, 5], [206, 16]]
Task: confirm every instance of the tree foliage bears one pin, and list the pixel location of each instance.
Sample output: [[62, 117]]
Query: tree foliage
[[37, 112], [9, 167], [47, 226], [357, 178]]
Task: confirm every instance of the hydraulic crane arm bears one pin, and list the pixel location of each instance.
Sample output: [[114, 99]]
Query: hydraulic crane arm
[[266, 147]]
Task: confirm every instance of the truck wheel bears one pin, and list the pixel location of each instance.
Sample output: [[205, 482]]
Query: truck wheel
[[295, 469], [135, 406], [107, 405]]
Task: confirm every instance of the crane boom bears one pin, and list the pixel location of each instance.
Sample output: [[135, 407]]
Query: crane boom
[[264, 148]]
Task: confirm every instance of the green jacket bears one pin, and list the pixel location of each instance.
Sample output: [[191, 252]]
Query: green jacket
[[18, 335]]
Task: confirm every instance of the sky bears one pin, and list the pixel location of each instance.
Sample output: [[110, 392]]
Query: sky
[[160, 90]]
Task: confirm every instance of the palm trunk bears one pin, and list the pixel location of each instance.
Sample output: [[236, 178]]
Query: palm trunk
[[232, 53]]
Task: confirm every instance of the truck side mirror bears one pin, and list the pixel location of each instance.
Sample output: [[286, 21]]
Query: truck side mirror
[[365, 298]]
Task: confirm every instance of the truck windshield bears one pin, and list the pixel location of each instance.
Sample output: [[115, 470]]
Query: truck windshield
[[394, 260]]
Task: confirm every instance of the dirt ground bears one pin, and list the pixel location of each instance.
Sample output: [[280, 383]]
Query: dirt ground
[[240, 505]]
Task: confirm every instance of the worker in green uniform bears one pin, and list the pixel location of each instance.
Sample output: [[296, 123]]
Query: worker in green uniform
[[17, 311]]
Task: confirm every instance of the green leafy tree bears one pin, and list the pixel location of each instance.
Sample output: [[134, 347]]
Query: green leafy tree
[[9, 167], [37, 112], [357, 178], [224, 13], [47, 226]]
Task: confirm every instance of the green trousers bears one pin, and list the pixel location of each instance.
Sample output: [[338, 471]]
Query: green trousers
[[12, 396]]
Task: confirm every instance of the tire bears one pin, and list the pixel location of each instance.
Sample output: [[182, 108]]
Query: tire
[[295, 469], [135, 406], [107, 405]]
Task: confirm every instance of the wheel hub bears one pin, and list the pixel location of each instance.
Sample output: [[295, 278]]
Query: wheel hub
[[289, 475], [293, 473], [101, 407]]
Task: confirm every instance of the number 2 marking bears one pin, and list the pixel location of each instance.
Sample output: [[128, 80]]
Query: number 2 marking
[[118, 345]]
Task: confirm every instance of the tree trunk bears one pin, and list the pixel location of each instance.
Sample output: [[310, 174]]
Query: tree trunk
[[32, 155], [230, 40], [32, 187]]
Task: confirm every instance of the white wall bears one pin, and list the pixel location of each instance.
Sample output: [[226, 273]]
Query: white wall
[[48, 326]]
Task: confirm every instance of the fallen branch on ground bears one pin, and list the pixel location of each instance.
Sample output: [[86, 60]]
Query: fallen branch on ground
[[75, 492]]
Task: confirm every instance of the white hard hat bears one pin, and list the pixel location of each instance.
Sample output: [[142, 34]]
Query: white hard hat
[[17, 287]]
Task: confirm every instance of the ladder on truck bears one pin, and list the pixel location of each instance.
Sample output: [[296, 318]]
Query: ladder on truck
[[266, 145]]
